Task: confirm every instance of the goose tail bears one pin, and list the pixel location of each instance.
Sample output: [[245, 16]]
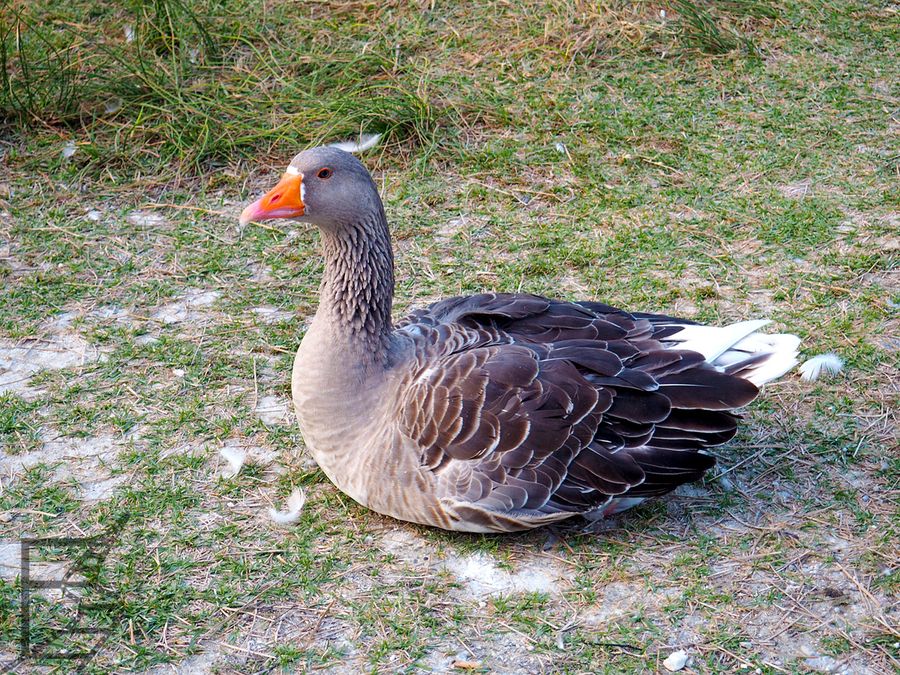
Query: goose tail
[[739, 349]]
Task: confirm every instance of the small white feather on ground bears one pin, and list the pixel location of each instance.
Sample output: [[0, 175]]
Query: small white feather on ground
[[294, 507], [823, 364], [235, 457], [365, 142]]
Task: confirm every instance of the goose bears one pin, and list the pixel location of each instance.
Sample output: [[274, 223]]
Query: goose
[[497, 412]]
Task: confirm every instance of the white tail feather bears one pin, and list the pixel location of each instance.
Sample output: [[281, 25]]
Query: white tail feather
[[782, 349], [713, 341], [729, 346]]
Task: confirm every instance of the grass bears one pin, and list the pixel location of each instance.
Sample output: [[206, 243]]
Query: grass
[[175, 86], [724, 161]]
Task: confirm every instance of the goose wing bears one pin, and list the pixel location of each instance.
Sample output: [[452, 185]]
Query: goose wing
[[529, 409]]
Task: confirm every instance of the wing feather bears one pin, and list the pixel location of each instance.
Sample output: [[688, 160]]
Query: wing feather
[[526, 407]]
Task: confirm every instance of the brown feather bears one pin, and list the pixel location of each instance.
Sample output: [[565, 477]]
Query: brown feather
[[556, 407]]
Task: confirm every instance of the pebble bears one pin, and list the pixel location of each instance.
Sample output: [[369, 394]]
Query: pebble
[[676, 660]]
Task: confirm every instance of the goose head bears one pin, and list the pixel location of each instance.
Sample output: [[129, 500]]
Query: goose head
[[324, 186]]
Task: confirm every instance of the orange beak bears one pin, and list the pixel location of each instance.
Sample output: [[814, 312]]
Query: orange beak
[[285, 200]]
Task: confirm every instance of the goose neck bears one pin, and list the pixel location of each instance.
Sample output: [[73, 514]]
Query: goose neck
[[358, 283]]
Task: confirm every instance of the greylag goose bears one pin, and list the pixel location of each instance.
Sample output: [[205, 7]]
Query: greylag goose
[[497, 412]]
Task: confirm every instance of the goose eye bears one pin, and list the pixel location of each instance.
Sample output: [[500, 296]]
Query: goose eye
[[325, 173]]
